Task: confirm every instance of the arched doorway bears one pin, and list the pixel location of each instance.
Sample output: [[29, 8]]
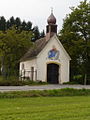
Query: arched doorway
[[53, 73]]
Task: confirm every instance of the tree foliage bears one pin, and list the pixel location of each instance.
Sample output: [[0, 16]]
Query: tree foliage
[[75, 36], [13, 45], [21, 25], [2, 23], [36, 33], [15, 40]]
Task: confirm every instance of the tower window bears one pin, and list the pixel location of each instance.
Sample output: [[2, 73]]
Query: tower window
[[47, 29], [54, 29]]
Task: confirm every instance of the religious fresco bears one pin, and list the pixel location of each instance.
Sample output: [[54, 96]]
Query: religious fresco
[[53, 54]]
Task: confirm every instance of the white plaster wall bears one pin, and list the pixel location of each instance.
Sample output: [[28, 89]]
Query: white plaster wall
[[64, 71], [63, 61], [27, 66]]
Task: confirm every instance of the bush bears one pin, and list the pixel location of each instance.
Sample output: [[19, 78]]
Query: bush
[[78, 79], [14, 81], [71, 83], [11, 81]]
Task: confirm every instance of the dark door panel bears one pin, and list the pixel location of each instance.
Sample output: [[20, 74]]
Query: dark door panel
[[52, 73]]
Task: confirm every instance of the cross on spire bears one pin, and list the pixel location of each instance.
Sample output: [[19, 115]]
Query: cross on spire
[[51, 9]]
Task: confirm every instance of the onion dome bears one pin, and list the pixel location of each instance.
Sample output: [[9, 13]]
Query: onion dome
[[51, 19]]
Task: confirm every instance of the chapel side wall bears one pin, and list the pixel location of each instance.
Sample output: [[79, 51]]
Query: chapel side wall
[[64, 71], [41, 66], [27, 67], [64, 67]]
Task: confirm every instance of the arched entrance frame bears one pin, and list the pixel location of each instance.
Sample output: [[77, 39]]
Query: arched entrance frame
[[57, 63]]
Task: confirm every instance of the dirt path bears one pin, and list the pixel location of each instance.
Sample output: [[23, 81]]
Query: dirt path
[[41, 87]]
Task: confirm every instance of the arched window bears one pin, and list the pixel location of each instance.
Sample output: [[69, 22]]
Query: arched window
[[22, 66]]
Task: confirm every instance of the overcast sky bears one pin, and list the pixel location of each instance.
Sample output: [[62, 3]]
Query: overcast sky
[[37, 11]]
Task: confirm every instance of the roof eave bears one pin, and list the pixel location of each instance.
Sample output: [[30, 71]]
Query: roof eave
[[27, 59]]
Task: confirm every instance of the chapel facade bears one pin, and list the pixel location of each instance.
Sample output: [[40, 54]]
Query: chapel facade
[[47, 60]]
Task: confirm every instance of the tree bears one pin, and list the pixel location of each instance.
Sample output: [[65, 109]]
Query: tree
[[75, 36], [23, 25], [2, 23], [10, 22], [20, 25], [18, 22], [13, 45], [42, 34], [36, 33], [28, 26]]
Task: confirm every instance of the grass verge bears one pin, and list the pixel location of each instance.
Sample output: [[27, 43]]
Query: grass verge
[[46, 93]]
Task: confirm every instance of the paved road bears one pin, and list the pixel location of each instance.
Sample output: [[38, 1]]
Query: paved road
[[42, 87]]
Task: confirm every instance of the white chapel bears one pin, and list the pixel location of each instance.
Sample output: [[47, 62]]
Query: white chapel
[[47, 60]]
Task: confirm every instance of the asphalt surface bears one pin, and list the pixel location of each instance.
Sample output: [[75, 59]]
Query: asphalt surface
[[41, 87]]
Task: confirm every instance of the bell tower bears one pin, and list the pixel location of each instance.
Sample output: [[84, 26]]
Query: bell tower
[[51, 28]]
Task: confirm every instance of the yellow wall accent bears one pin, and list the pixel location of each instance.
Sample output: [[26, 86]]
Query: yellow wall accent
[[54, 62]]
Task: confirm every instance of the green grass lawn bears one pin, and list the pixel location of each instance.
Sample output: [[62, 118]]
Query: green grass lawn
[[45, 108]]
